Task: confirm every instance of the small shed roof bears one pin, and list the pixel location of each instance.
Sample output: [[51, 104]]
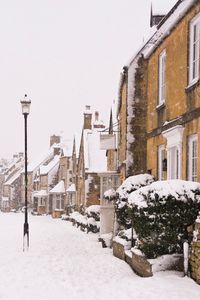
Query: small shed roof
[[58, 188], [71, 188], [41, 193]]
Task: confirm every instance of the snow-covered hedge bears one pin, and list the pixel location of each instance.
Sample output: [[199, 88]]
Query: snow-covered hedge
[[110, 195], [93, 215], [88, 221], [79, 220], [93, 211], [131, 184], [162, 212], [124, 238]]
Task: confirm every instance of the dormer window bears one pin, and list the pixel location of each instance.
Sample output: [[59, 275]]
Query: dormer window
[[162, 78], [194, 49]]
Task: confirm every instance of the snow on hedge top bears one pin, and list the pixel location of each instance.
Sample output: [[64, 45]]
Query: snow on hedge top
[[133, 183], [110, 194], [179, 189], [93, 208]]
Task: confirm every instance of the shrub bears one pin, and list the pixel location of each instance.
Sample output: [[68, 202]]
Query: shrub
[[131, 184], [93, 211], [161, 214]]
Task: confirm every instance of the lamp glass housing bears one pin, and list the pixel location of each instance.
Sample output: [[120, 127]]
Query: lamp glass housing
[[26, 103]]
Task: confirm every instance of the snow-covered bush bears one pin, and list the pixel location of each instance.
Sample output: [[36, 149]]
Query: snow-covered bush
[[131, 184], [93, 218], [79, 220], [161, 213], [93, 211], [110, 195], [106, 240], [124, 238]]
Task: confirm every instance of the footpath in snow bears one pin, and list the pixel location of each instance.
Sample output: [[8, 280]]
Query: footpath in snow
[[65, 263]]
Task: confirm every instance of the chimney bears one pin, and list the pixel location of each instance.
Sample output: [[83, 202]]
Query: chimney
[[87, 118], [97, 122], [96, 116], [54, 139], [155, 18]]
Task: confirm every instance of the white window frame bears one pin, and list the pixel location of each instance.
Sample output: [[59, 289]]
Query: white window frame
[[174, 138], [192, 157], [162, 78], [59, 202], [174, 162], [194, 50], [161, 157]]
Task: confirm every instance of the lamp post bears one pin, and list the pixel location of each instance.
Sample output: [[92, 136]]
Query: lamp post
[[25, 111]]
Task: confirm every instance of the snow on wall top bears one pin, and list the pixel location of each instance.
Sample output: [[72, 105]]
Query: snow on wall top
[[45, 169], [176, 188], [95, 159], [59, 188]]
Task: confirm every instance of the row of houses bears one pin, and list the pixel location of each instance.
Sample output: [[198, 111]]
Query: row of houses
[[154, 127], [60, 180]]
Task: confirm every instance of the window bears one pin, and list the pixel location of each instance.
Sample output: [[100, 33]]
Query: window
[[194, 49], [59, 202], [162, 163], [174, 161], [192, 157], [162, 77], [174, 138]]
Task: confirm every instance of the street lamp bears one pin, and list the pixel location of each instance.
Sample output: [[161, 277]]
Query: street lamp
[[26, 103]]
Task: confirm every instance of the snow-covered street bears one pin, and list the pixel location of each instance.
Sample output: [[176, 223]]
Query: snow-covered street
[[65, 263]]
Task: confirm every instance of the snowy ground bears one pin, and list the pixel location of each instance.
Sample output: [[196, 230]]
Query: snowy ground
[[65, 263]]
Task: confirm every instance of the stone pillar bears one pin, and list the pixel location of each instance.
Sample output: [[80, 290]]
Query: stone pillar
[[195, 255]]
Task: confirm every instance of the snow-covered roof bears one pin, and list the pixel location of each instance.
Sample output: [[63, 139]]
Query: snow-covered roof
[[167, 24], [45, 169], [95, 159], [160, 8], [67, 151], [13, 178], [35, 164], [41, 193], [59, 188], [71, 188], [4, 199]]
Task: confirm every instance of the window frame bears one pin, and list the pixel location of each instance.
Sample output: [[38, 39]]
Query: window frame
[[161, 156], [192, 170], [194, 63], [162, 78]]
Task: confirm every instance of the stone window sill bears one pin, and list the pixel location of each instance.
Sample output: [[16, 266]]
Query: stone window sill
[[192, 86], [160, 106]]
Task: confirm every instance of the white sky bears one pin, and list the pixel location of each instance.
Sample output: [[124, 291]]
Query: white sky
[[64, 54]]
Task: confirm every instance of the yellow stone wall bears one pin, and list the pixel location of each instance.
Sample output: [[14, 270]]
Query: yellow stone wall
[[179, 98]]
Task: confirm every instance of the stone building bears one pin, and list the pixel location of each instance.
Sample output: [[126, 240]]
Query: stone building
[[10, 183], [91, 161], [173, 94], [40, 176]]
